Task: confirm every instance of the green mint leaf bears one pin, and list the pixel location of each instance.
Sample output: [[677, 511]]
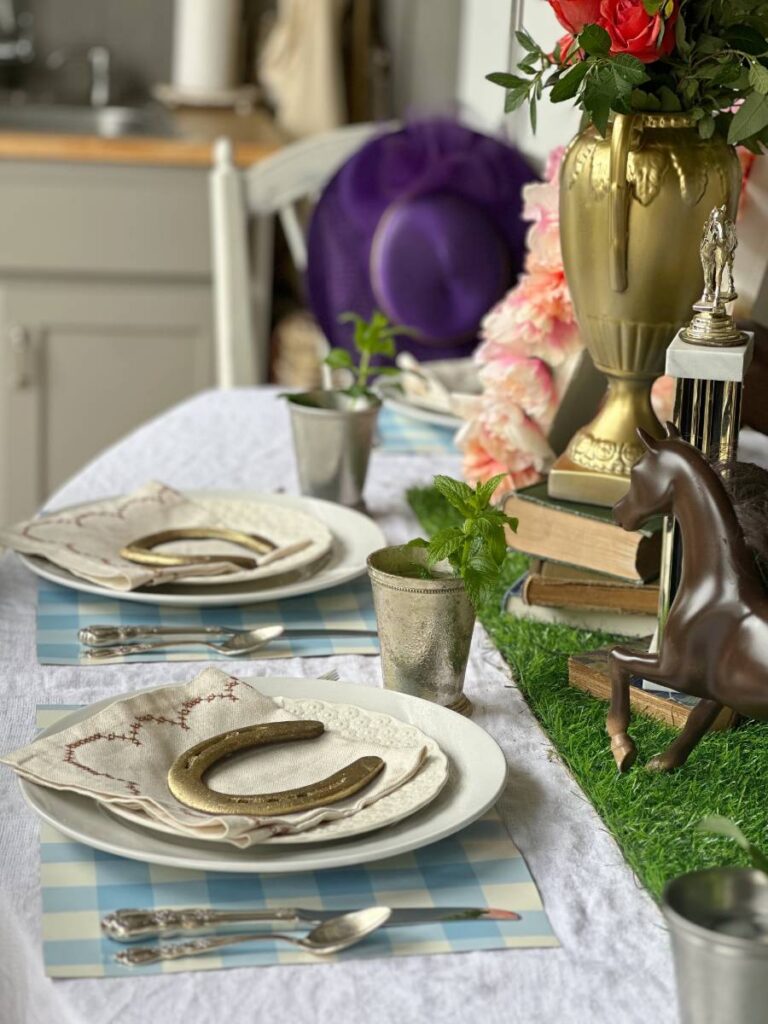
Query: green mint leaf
[[640, 100], [446, 542], [417, 542], [485, 491], [339, 359], [568, 84], [670, 101], [749, 119], [721, 826], [456, 493], [595, 41]]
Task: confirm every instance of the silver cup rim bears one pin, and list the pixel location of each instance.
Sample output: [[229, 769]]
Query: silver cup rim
[[395, 581], [372, 404], [705, 934]]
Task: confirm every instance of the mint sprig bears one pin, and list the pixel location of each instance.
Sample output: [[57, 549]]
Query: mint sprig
[[475, 550], [374, 337], [721, 826]]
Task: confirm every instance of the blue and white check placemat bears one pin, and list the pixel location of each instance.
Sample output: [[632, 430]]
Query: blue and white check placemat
[[477, 867], [61, 612], [406, 435]]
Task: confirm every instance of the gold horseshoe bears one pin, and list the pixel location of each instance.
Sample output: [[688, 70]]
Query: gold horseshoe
[[141, 550], [185, 778]]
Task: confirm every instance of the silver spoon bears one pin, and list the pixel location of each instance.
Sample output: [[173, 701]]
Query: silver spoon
[[329, 937]]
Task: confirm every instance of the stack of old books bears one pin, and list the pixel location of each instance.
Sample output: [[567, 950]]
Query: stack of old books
[[585, 570]]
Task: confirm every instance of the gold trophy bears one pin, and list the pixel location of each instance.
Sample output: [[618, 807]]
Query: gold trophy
[[632, 210]]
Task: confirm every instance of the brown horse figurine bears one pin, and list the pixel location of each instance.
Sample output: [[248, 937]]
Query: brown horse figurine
[[715, 640]]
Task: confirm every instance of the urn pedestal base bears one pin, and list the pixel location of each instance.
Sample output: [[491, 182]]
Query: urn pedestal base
[[595, 466]]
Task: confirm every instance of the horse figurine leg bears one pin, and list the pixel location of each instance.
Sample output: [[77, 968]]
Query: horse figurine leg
[[623, 665], [676, 754]]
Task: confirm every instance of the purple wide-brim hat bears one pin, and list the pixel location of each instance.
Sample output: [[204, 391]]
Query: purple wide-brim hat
[[424, 224]]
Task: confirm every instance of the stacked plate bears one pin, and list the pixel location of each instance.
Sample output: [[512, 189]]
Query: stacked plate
[[461, 778], [340, 541]]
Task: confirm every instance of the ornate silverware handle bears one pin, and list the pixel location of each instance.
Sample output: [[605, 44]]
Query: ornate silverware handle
[[132, 925], [102, 636], [123, 650], [139, 955]]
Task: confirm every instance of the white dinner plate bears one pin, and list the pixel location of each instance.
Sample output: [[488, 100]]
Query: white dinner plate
[[355, 536], [358, 725], [394, 399], [477, 773]]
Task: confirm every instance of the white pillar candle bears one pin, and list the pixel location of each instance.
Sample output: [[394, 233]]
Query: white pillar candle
[[205, 36]]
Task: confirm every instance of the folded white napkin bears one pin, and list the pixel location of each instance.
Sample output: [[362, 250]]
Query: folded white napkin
[[121, 756], [440, 385], [88, 542]]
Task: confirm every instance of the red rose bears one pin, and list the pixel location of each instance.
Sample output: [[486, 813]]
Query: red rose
[[634, 31], [575, 14]]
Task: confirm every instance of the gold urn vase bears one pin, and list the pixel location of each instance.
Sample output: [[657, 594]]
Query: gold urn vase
[[632, 211]]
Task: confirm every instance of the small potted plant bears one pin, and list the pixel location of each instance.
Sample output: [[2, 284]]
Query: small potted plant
[[425, 595], [333, 429]]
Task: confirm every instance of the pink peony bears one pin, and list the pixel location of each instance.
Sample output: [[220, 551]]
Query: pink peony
[[527, 383], [534, 319], [502, 439], [663, 398]]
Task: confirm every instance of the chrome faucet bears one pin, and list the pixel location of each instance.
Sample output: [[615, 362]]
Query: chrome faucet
[[99, 61], [15, 35]]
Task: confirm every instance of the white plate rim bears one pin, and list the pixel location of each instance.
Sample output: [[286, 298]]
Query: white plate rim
[[365, 533], [399, 403], [478, 773]]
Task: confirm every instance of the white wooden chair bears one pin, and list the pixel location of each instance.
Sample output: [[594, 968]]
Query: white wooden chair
[[242, 267]]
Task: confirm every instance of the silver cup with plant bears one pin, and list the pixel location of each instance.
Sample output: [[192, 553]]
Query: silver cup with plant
[[425, 594], [333, 429], [718, 924]]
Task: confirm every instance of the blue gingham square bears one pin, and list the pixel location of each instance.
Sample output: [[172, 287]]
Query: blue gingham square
[[61, 612]]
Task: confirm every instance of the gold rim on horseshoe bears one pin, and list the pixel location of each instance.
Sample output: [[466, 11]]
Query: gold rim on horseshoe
[[141, 550], [186, 783]]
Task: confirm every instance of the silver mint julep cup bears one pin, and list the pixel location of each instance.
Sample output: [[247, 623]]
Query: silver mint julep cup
[[332, 438], [718, 924], [425, 626]]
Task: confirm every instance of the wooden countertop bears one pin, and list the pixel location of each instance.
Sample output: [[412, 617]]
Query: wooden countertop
[[254, 136]]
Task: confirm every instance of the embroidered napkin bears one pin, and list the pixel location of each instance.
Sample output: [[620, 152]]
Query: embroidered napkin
[[88, 542], [121, 756]]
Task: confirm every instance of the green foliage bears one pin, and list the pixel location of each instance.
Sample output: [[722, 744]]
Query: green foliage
[[475, 543], [721, 826], [652, 815], [374, 337], [720, 59]]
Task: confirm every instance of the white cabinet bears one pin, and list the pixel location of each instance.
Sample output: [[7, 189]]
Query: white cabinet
[[105, 313]]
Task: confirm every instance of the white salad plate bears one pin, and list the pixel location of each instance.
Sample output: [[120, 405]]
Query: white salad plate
[[354, 537], [392, 397], [476, 776]]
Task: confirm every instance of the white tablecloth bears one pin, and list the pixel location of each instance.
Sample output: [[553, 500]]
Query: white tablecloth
[[614, 965]]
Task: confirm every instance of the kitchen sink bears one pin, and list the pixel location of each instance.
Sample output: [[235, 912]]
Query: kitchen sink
[[106, 122]]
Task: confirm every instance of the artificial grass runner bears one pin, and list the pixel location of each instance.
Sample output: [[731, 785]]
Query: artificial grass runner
[[651, 815]]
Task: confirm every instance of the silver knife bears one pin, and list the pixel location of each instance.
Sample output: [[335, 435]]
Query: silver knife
[[134, 925]]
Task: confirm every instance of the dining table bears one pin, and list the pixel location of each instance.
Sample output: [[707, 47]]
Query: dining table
[[613, 965]]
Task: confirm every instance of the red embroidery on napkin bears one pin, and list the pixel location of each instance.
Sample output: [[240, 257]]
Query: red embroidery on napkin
[[179, 720]]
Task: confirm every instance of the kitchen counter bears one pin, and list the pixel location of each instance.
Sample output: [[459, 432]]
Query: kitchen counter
[[254, 135]]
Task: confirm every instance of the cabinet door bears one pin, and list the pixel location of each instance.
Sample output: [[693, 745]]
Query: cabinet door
[[84, 362]]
